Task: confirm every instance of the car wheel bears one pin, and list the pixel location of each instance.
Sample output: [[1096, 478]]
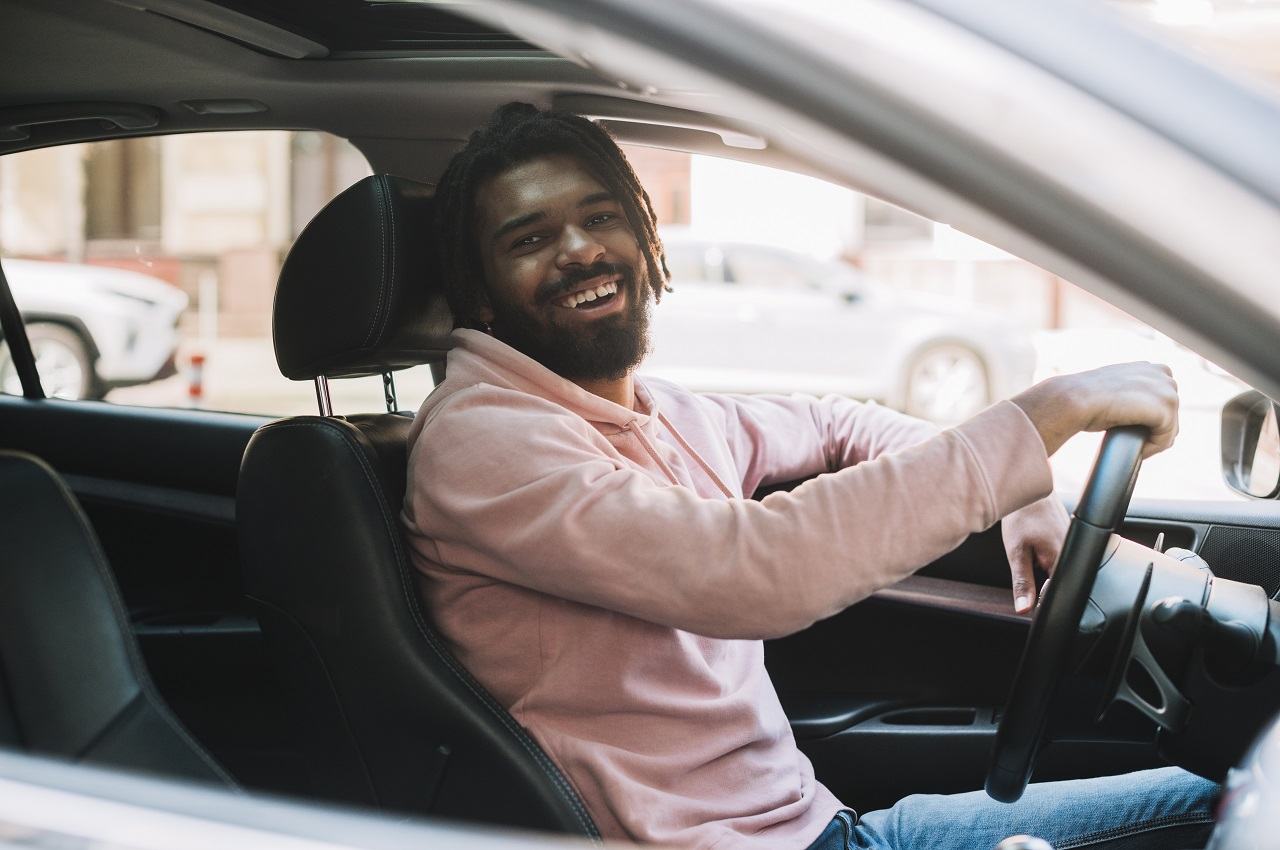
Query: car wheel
[[946, 383], [62, 359]]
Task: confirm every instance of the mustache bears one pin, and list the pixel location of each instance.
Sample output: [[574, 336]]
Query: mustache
[[575, 277]]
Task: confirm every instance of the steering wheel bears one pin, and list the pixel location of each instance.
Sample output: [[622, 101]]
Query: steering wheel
[[1101, 509]]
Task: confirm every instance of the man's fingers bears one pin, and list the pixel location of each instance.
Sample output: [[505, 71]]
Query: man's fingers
[[1047, 560], [1024, 584]]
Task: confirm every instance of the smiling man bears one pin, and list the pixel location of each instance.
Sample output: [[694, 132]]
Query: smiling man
[[589, 547], [584, 319]]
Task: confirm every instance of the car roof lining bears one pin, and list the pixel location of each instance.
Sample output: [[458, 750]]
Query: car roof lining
[[154, 63]]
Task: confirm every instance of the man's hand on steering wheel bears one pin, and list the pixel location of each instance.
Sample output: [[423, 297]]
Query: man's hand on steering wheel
[[1127, 394], [1114, 396]]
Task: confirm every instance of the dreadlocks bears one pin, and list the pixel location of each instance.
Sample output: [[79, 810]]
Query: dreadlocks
[[515, 134]]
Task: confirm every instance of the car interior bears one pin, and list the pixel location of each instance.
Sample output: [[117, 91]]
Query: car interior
[[227, 597]]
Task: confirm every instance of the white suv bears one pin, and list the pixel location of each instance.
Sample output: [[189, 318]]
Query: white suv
[[93, 328]]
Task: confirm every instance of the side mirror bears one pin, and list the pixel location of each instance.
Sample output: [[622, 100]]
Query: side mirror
[[1251, 445]]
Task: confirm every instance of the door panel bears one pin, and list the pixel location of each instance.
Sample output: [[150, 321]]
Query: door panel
[[159, 488]]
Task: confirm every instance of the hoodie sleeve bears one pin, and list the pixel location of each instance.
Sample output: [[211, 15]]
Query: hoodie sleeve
[[778, 438], [512, 488]]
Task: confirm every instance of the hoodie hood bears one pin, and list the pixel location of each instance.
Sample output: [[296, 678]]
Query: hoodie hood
[[477, 358]]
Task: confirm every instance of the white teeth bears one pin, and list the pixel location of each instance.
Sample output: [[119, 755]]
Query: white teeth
[[571, 301]]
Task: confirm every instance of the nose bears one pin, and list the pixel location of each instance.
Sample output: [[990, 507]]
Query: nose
[[578, 247]]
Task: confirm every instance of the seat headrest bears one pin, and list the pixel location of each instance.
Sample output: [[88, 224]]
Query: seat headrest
[[359, 293]]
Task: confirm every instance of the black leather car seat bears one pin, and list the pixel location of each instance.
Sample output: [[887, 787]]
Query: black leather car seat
[[72, 681], [387, 716]]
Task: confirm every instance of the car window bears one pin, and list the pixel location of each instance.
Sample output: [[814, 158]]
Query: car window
[[758, 266], [827, 299], [695, 263], [145, 268]]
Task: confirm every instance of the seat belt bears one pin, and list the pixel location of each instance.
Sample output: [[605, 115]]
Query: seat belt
[[15, 334]]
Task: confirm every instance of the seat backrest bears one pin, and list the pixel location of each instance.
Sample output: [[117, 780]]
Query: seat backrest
[[72, 681], [386, 716]]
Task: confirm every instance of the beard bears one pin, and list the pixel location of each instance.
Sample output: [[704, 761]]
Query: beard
[[600, 349]]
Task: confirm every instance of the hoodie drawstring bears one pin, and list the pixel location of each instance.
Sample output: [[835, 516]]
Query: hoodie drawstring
[[706, 467], [662, 464], [653, 453]]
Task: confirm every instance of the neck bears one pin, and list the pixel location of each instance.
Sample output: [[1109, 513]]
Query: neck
[[620, 391]]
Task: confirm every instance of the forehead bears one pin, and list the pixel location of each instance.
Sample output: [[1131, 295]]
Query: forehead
[[544, 185]]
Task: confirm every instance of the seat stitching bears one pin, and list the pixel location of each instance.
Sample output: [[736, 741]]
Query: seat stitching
[[382, 254], [391, 280], [540, 758]]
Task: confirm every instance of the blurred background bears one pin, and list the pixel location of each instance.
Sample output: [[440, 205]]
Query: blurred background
[[146, 270]]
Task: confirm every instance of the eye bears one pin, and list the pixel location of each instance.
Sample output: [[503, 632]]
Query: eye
[[527, 241], [601, 218]]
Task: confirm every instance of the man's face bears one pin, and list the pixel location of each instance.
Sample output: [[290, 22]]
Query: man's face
[[551, 237]]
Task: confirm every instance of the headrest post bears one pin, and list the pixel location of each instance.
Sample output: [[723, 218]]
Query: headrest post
[[389, 391], [322, 396]]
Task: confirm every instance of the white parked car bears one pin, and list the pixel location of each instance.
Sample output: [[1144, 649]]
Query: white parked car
[[93, 328], [756, 318]]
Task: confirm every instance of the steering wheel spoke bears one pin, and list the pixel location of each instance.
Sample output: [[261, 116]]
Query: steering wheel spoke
[[1171, 712]]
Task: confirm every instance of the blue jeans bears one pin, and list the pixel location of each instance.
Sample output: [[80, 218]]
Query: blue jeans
[[1167, 809]]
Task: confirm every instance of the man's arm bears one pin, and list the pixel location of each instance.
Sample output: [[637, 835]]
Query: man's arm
[[775, 438], [511, 489]]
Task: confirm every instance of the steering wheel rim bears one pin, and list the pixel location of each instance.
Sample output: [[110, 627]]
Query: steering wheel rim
[[1101, 509]]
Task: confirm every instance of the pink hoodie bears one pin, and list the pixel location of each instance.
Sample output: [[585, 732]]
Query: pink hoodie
[[599, 570]]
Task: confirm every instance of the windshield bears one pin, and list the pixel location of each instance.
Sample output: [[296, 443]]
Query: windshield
[[1240, 35]]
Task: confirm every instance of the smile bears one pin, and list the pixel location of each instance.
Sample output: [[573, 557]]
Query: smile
[[592, 298]]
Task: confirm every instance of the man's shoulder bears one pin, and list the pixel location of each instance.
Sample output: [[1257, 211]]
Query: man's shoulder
[[481, 410], [489, 433], [679, 402], [669, 394]]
